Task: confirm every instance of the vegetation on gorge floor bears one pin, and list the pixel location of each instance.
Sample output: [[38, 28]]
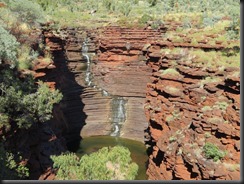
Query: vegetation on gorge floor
[[106, 164]]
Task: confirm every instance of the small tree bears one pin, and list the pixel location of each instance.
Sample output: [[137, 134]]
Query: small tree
[[8, 48], [27, 109]]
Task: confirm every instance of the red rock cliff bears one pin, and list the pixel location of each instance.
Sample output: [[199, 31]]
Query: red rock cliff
[[187, 106]]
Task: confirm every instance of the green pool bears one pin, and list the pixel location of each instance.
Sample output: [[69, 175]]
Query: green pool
[[137, 149]]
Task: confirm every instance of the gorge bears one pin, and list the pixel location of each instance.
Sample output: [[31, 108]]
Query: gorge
[[131, 83], [118, 89]]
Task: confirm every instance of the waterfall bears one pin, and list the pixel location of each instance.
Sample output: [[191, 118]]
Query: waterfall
[[118, 114], [104, 92], [88, 74], [88, 77]]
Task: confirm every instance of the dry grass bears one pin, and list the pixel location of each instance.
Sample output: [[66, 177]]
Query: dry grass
[[215, 59]]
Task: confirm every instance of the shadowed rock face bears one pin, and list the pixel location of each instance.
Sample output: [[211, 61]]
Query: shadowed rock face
[[96, 106], [184, 114]]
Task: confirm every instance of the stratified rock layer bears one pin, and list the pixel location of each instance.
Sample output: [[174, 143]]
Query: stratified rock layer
[[121, 70], [96, 106], [188, 106], [85, 109], [125, 74]]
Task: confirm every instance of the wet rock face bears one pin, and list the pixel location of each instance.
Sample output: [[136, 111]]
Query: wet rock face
[[185, 112]]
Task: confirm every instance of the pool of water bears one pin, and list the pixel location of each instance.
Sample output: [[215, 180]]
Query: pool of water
[[137, 149]]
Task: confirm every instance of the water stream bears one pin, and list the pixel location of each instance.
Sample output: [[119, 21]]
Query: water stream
[[118, 114], [88, 77]]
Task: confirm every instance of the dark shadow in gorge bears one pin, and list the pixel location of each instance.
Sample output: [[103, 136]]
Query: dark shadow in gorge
[[71, 104], [149, 144], [73, 109]]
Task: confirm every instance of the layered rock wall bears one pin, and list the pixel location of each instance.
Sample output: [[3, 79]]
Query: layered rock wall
[[96, 106], [118, 69], [121, 70], [187, 106]]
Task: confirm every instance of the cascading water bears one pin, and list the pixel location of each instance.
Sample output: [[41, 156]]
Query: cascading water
[[105, 93], [118, 114], [88, 77]]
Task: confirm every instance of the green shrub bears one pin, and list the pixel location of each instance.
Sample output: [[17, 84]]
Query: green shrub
[[213, 152], [11, 169], [125, 8], [107, 4], [8, 48], [24, 108], [46, 4], [156, 24], [145, 18], [233, 31], [172, 4], [105, 164], [26, 56], [170, 71], [4, 121], [9, 77], [135, 1], [8, 19]]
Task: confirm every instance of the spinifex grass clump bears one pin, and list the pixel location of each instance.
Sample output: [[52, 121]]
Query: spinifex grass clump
[[211, 151]]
